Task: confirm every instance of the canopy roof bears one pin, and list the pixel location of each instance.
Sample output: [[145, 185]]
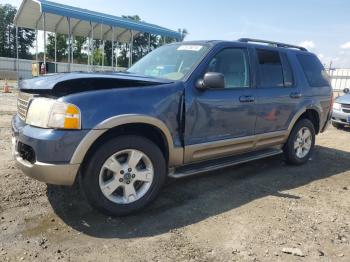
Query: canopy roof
[[31, 12]]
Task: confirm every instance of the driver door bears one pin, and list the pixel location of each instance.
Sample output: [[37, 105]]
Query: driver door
[[220, 122]]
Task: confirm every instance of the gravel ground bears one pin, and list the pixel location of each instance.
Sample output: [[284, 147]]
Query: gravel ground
[[261, 211]]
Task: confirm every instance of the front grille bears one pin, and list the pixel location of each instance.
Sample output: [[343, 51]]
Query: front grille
[[23, 101], [346, 111], [347, 106]]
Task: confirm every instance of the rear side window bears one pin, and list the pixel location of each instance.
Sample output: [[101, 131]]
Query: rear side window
[[314, 70], [270, 68], [288, 78]]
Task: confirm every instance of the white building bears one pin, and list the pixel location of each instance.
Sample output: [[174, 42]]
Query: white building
[[340, 78]]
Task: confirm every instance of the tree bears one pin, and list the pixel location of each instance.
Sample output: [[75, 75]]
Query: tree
[[183, 33], [2, 31], [26, 37], [140, 45], [62, 47], [123, 54]]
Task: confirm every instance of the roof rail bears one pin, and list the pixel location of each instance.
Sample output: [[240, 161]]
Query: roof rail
[[277, 44]]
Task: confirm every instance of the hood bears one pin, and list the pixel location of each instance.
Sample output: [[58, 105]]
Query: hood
[[69, 83], [345, 99]]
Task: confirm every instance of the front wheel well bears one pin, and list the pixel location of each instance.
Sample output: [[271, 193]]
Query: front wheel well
[[314, 117], [145, 130]]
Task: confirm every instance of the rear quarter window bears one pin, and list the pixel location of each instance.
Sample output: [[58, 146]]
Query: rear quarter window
[[314, 70]]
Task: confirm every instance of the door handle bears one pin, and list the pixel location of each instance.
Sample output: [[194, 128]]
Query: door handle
[[246, 99], [295, 95]]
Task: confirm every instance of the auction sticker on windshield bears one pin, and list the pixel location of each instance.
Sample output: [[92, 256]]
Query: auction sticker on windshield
[[190, 48]]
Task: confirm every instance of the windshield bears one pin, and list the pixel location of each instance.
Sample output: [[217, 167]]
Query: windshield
[[172, 62]]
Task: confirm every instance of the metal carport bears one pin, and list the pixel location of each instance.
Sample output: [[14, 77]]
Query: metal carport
[[72, 21]]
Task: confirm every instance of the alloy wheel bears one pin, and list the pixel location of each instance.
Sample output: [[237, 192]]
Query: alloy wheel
[[303, 142], [126, 176]]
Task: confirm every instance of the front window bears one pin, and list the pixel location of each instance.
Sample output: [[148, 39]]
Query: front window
[[233, 64], [173, 62]]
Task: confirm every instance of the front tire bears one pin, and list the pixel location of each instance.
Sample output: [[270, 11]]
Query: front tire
[[301, 143], [124, 175]]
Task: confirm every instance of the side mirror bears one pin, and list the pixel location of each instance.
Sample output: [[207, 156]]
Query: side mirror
[[211, 80], [346, 90]]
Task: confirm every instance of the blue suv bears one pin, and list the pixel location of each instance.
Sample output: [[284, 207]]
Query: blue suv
[[184, 109]]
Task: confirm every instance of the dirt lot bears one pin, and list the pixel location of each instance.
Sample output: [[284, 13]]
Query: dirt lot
[[253, 212]]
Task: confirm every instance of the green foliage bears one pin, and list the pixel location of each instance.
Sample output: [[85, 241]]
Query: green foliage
[[62, 47], [183, 33], [141, 45], [26, 37], [79, 44]]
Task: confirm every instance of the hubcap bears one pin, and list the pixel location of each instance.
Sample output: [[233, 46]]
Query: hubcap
[[303, 142], [126, 176]]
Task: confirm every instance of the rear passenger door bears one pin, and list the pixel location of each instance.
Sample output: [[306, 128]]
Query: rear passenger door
[[277, 94]]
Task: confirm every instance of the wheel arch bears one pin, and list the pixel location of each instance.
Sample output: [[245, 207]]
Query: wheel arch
[[312, 113], [142, 125]]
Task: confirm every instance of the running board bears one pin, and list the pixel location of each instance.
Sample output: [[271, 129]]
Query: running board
[[211, 165]]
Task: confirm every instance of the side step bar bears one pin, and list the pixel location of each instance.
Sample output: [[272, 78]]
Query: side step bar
[[211, 165]]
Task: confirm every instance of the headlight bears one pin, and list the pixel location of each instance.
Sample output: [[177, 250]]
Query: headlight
[[50, 113], [337, 106]]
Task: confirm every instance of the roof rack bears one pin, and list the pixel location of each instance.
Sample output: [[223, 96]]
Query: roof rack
[[277, 44]]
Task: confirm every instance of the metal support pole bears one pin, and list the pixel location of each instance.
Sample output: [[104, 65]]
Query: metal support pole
[[129, 64], [69, 44], [103, 53], [92, 45], [17, 57], [89, 46], [149, 42], [103, 47], [44, 25], [112, 55], [131, 48], [116, 55], [55, 52], [36, 45], [72, 37], [88, 54]]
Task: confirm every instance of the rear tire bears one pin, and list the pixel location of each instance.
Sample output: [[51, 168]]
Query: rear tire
[[301, 143], [124, 175], [337, 125]]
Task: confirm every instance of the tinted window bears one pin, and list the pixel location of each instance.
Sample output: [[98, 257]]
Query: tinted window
[[270, 68], [313, 69], [287, 71], [233, 64]]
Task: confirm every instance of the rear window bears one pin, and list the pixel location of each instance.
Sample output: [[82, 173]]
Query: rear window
[[314, 70]]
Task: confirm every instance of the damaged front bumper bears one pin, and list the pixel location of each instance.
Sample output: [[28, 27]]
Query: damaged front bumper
[[42, 154]]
